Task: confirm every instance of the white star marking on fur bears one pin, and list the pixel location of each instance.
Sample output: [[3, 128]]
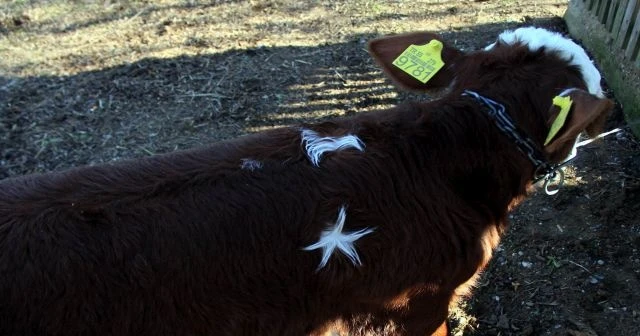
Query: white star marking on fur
[[250, 164], [316, 145], [333, 238]]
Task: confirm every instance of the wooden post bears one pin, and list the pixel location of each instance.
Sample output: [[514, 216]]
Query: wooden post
[[611, 15], [633, 39], [626, 22], [619, 16], [621, 73]]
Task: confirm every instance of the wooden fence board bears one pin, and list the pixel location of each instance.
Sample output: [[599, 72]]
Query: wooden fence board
[[589, 4], [620, 67], [626, 23], [622, 6], [633, 40], [603, 5], [611, 15]]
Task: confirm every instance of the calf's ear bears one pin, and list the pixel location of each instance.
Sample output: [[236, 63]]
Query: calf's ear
[[387, 49], [586, 113]]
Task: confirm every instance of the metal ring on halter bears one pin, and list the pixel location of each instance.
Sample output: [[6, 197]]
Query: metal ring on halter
[[551, 177], [542, 172]]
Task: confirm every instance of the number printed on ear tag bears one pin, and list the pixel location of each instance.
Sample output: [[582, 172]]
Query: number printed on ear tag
[[421, 62]]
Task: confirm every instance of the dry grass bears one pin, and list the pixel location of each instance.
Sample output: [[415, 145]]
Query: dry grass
[[92, 81], [62, 37]]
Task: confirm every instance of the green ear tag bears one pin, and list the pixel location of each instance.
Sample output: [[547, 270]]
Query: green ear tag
[[421, 62], [564, 103]]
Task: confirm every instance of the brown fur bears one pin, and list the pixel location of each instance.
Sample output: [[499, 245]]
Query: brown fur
[[190, 244]]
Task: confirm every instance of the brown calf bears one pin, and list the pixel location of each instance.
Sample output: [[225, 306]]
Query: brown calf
[[373, 223]]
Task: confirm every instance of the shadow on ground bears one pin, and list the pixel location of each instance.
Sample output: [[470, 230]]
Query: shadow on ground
[[159, 105]]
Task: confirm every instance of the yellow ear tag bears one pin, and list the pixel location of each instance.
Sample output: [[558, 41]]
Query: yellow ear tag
[[421, 62], [564, 103]]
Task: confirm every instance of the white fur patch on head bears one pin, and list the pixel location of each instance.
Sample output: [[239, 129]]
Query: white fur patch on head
[[536, 38], [250, 164], [316, 146], [333, 238]]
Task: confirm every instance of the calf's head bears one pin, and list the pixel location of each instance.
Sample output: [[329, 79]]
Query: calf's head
[[524, 70]]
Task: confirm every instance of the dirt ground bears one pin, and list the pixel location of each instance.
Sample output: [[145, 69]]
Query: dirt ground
[[85, 82]]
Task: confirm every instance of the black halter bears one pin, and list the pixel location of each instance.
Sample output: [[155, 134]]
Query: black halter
[[497, 112]]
